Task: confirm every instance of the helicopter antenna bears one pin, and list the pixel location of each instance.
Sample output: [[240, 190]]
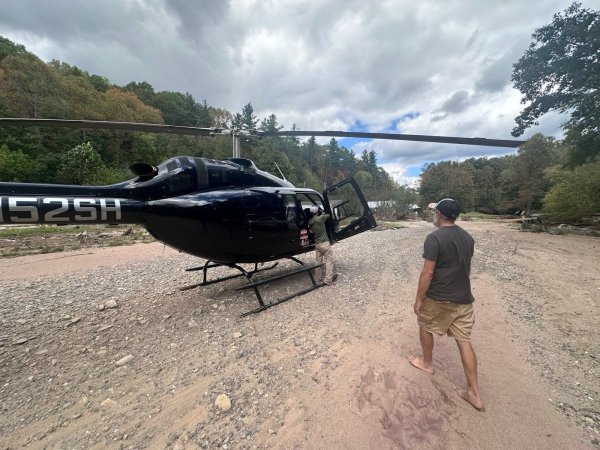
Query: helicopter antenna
[[282, 175]]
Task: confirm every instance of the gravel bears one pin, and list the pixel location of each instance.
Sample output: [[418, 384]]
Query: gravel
[[106, 346]]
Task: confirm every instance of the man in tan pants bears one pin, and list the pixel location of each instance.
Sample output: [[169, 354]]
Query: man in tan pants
[[323, 249]]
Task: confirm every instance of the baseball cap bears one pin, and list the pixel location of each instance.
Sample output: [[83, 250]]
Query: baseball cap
[[314, 209], [447, 207]]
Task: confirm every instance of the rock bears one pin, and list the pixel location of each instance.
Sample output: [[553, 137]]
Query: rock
[[124, 360], [237, 335], [223, 402], [21, 341], [112, 304], [108, 403], [101, 307]]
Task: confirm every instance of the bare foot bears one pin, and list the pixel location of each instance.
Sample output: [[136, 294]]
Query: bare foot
[[419, 363], [475, 402]]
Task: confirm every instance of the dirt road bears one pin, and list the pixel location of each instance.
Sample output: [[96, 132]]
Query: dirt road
[[99, 349]]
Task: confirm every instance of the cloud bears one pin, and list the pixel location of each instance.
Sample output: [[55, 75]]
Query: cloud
[[444, 67]]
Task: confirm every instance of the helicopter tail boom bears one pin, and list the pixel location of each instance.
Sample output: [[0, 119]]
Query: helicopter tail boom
[[62, 210]]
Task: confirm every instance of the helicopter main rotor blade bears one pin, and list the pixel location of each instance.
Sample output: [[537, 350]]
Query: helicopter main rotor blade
[[107, 125], [400, 137], [197, 131]]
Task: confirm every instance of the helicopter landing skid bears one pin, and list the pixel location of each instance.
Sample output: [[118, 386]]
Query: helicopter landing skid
[[211, 264], [255, 285]]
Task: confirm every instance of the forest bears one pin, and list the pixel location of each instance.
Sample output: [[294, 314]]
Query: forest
[[560, 71]]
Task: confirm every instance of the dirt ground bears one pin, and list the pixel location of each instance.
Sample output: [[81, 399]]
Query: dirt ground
[[100, 349]]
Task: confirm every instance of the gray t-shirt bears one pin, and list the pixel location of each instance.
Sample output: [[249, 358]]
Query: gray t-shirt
[[452, 249]]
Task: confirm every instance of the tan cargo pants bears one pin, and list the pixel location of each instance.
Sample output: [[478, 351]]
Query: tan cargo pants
[[323, 251]]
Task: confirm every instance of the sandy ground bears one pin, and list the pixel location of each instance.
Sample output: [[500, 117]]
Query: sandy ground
[[326, 370]]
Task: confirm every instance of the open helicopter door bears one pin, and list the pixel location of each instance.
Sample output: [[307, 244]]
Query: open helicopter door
[[349, 210]]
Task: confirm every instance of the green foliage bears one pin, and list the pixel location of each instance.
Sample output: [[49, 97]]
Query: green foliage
[[249, 119], [533, 158], [270, 124], [80, 165], [561, 71], [177, 108], [268, 156], [31, 88], [576, 193], [448, 179], [14, 165], [403, 199], [8, 47]]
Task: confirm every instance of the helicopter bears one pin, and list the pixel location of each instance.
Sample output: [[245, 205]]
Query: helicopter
[[227, 212]]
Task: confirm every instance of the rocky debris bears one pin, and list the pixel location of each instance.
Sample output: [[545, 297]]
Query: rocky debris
[[151, 354], [111, 304], [124, 360], [223, 402]]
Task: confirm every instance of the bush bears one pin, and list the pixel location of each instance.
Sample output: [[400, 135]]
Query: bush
[[577, 195], [80, 165]]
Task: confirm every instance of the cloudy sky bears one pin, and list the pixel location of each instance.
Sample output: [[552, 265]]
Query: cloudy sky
[[419, 67]]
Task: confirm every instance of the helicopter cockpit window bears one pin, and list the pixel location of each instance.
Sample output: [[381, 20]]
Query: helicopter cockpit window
[[309, 200], [306, 201]]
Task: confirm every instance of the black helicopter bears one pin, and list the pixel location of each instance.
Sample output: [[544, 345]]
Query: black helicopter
[[227, 212]]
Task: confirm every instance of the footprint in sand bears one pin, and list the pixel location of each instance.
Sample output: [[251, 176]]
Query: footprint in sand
[[410, 415]]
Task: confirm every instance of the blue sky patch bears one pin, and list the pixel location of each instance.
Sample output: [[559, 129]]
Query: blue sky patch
[[359, 126]]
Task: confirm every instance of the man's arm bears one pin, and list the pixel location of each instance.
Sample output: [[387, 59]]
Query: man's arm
[[322, 217], [424, 282]]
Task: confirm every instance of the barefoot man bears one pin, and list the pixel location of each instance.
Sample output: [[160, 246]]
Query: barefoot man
[[444, 302]]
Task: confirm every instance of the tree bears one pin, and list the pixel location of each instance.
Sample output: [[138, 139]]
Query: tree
[[143, 90], [30, 84], [270, 124], [576, 194], [403, 199], [8, 47], [533, 157], [220, 118], [177, 108], [236, 122], [486, 193], [100, 83], [80, 165], [448, 179], [249, 119], [204, 120], [14, 165], [561, 72]]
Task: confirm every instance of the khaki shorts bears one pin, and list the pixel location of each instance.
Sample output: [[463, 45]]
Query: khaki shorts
[[455, 319]]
